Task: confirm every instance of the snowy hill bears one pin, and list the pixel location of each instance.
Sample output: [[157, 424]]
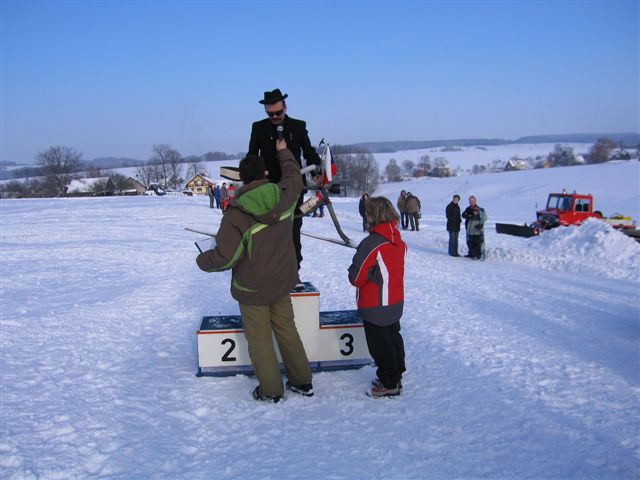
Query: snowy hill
[[467, 157], [521, 366]]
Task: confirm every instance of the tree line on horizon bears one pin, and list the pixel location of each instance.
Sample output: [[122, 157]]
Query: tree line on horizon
[[358, 170]]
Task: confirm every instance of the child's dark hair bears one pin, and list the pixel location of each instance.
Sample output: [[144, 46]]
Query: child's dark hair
[[251, 168], [380, 210]]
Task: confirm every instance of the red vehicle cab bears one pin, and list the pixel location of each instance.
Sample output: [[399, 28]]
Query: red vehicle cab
[[566, 209]]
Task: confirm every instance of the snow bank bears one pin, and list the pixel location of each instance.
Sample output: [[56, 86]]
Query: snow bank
[[595, 248]]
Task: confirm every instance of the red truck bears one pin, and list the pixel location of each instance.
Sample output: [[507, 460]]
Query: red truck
[[567, 209]]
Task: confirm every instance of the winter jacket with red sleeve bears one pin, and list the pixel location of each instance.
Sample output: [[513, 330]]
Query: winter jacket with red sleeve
[[377, 270]]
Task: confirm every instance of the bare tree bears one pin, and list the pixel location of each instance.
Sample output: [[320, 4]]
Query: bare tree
[[174, 160], [408, 166], [393, 171], [146, 174], [119, 181], [562, 155], [601, 150], [166, 164], [59, 163], [195, 166], [366, 172], [424, 165]]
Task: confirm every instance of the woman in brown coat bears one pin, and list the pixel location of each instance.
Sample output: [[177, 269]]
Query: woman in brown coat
[[413, 211]]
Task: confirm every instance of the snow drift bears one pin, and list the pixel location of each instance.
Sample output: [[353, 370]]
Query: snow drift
[[594, 249]]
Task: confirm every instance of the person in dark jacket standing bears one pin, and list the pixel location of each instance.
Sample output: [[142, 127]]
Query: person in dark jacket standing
[[254, 240], [263, 142], [217, 196], [377, 270], [210, 195], [453, 225], [362, 208]]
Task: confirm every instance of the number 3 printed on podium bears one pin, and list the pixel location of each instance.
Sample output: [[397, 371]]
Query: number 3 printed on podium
[[348, 344]]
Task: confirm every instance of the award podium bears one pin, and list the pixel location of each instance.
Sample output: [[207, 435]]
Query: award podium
[[333, 340]]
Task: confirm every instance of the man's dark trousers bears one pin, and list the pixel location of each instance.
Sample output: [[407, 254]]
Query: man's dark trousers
[[453, 243]]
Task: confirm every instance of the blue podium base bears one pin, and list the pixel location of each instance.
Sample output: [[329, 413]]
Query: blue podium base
[[342, 326]]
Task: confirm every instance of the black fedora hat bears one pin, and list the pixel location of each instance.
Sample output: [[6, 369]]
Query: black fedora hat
[[273, 97]]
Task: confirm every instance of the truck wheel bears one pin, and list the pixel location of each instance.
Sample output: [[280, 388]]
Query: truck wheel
[[598, 213]]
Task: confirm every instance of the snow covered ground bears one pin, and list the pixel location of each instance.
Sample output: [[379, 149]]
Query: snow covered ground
[[525, 365]]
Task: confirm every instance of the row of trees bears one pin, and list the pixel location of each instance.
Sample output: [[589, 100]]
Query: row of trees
[[57, 166], [357, 172], [424, 167]]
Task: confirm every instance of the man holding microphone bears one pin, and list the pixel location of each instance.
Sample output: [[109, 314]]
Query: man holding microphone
[[278, 125]]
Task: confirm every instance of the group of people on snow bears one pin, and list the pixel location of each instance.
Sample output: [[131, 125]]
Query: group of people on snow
[[218, 196], [259, 240], [474, 219], [409, 207]]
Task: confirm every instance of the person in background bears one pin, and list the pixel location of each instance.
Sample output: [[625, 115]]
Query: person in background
[[474, 216], [224, 195], [453, 224], [217, 196], [210, 195], [413, 211], [263, 142], [362, 208], [231, 193], [377, 270], [255, 241], [402, 208]]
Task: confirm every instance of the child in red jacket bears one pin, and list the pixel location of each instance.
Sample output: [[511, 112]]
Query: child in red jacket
[[377, 270]]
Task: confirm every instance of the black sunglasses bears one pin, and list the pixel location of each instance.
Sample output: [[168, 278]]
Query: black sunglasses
[[275, 114]]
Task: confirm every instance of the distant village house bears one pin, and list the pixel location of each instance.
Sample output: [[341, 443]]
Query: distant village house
[[199, 184], [515, 164]]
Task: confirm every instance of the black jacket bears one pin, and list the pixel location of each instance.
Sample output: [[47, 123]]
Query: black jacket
[[453, 217], [263, 143], [362, 207]]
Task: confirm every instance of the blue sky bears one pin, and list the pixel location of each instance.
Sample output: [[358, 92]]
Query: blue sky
[[114, 78]]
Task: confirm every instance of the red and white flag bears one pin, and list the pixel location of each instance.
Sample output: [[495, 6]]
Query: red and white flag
[[329, 166]]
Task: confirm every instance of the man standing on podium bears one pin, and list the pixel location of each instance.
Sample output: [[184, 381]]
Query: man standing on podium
[[264, 134]]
